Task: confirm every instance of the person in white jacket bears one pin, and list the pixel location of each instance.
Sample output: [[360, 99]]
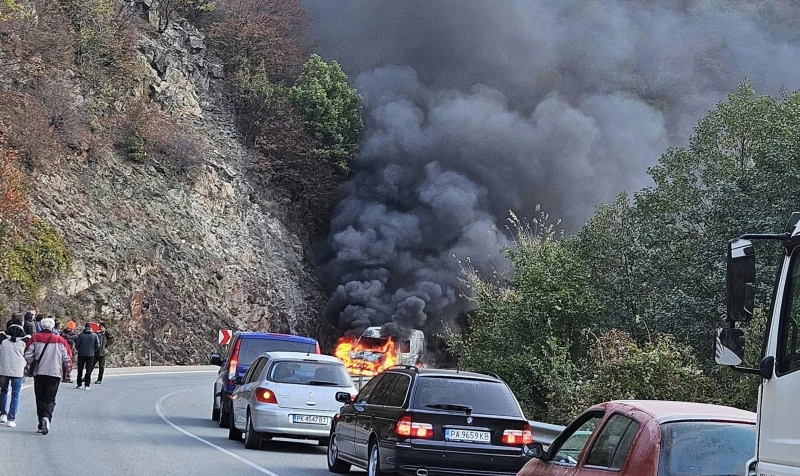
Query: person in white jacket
[[12, 368], [48, 355]]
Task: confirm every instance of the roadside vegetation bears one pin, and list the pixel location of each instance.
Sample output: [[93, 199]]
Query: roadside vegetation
[[627, 307]]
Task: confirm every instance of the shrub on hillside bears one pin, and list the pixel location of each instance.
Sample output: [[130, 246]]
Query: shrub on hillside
[[29, 261], [331, 110], [14, 211], [620, 369], [268, 37]]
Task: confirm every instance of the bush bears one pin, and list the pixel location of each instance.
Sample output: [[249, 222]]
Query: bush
[[331, 110], [14, 212], [620, 369], [34, 258]]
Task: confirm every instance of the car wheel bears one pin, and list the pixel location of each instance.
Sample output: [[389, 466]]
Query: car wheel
[[374, 466], [335, 465], [233, 433], [252, 438], [214, 412], [224, 417]]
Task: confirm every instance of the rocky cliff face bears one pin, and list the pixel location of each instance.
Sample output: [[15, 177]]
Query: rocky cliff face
[[169, 257]]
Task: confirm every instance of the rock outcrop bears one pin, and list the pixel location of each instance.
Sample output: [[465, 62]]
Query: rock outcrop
[[168, 259]]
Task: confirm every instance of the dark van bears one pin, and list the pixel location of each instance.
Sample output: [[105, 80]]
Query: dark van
[[243, 349]]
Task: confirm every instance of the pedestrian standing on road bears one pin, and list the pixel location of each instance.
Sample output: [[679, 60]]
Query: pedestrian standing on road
[[105, 340], [30, 325], [49, 361], [70, 335], [87, 345], [12, 368], [37, 321]]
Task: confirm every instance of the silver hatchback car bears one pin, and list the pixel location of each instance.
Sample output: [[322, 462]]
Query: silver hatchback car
[[288, 394]]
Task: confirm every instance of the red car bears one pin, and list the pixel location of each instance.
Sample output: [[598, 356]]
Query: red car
[[649, 438]]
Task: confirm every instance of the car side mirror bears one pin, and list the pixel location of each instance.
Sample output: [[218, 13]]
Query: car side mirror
[[729, 347], [238, 380], [216, 360], [534, 450], [343, 397]]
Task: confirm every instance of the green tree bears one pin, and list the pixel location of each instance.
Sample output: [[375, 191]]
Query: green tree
[[331, 110], [532, 330], [619, 368]]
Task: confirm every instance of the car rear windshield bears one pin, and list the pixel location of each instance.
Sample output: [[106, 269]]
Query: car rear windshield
[[309, 373], [250, 349], [705, 448], [485, 397]]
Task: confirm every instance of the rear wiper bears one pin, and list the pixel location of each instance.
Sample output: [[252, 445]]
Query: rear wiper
[[323, 383], [451, 406]]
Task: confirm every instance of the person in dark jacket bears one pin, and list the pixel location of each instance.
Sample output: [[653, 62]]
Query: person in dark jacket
[[105, 340], [86, 344], [30, 325]]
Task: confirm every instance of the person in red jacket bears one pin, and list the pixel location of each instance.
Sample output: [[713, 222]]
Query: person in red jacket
[[49, 360]]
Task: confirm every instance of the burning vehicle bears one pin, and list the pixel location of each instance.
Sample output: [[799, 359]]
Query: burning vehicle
[[369, 354]]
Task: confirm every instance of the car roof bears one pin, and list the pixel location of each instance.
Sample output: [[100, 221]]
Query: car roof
[[668, 411], [303, 356], [450, 373], [270, 335]]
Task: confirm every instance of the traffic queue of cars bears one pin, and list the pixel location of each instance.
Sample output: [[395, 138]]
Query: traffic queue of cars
[[421, 422]]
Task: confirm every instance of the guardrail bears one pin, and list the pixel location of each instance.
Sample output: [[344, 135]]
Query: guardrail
[[545, 433]]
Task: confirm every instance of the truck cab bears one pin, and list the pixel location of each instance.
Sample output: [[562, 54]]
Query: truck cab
[[409, 351], [778, 424]]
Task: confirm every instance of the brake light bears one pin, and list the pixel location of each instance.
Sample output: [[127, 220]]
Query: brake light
[[406, 427], [319, 351], [264, 395], [234, 361], [518, 437]]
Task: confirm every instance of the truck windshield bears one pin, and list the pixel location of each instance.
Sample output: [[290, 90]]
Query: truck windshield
[[703, 448]]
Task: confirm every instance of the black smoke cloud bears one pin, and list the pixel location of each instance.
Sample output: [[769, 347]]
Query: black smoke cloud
[[475, 108]]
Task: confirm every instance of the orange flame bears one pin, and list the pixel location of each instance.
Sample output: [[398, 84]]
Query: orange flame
[[365, 357]]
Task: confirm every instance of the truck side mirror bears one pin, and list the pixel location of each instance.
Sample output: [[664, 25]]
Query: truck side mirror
[[729, 347], [741, 278]]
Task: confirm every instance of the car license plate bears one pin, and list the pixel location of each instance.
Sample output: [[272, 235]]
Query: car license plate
[[313, 419], [468, 435]]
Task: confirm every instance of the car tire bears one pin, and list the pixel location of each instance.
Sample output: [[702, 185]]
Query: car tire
[[252, 438], [335, 465], [374, 463], [224, 417], [214, 412], [233, 433]]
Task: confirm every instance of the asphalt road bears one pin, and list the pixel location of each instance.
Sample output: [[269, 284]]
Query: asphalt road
[[143, 424]]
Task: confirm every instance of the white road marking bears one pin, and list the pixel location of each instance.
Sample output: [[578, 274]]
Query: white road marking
[[201, 440]]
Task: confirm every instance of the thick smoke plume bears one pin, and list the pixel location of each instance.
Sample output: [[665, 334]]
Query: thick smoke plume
[[475, 108]]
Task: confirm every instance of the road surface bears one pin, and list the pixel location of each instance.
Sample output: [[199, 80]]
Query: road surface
[[144, 424]]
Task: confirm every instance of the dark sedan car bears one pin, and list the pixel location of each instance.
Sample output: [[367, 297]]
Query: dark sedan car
[[430, 422]]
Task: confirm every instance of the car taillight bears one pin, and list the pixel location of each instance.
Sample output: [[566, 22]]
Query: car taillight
[[518, 437], [406, 427], [234, 362], [319, 351], [265, 395]]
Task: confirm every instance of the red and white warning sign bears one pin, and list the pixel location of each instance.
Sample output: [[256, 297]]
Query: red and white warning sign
[[224, 336]]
